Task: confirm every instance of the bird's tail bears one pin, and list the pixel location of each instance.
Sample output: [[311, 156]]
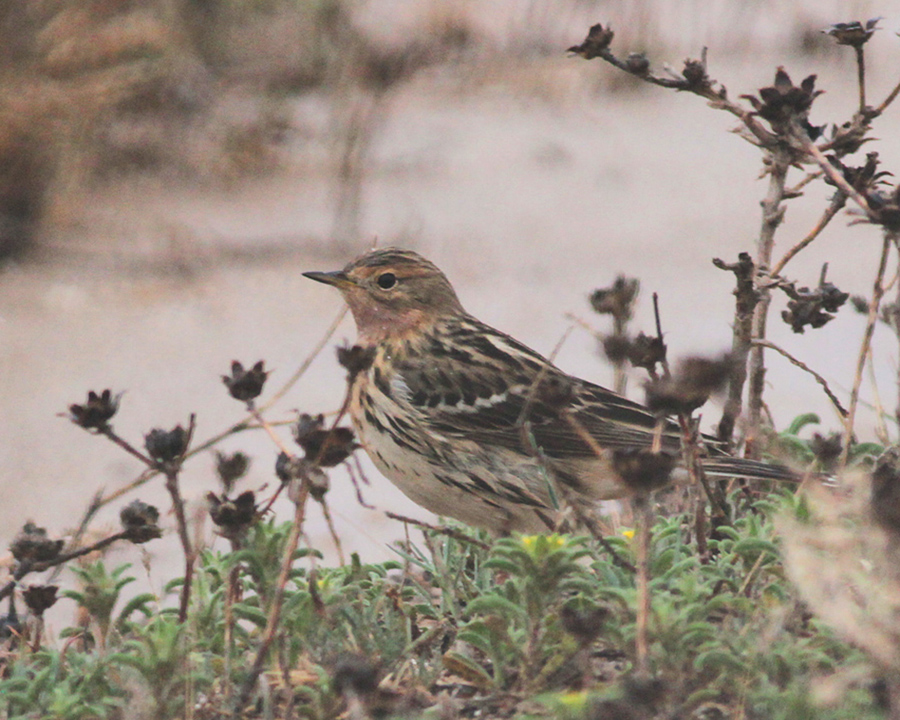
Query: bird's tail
[[750, 469]]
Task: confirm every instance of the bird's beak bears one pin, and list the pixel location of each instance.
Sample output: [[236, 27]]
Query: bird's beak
[[337, 278]]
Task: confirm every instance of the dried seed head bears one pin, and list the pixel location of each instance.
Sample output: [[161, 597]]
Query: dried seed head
[[40, 598], [287, 467], [96, 413], [783, 103], [827, 450], [33, 545], [230, 468], [140, 521], [695, 379], [642, 471], [643, 351], [637, 63], [853, 33], [166, 445], [232, 517], [326, 448], [814, 308], [356, 359], [694, 73], [618, 299], [245, 385], [595, 44]]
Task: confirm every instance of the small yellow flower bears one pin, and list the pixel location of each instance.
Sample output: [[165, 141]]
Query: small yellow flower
[[628, 533]]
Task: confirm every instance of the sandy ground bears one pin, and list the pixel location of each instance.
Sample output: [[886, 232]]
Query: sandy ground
[[528, 191]]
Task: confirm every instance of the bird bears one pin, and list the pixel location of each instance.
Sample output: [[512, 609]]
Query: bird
[[459, 417]]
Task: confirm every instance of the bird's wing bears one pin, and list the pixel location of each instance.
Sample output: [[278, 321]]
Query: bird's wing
[[490, 389]]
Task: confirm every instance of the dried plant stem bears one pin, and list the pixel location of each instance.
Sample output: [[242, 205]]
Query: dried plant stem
[[184, 537], [803, 366], [837, 203], [335, 538], [274, 618], [773, 213], [833, 173], [746, 298], [887, 101], [643, 517], [861, 76], [446, 531], [874, 306]]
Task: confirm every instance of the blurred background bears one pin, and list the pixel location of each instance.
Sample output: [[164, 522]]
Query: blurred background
[[169, 168]]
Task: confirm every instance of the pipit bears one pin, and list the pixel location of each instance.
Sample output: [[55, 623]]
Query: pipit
[[472, 424]]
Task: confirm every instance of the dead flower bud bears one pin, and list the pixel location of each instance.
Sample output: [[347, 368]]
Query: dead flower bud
[[827, 450], [326, 448], [287, 467], [812, 307], [355, 675], [96, 413], [784, 102], [886, 490], [140, 521], [166, 445], [245, 385], [40, 598], [232, 517], [618, 299], [695, 73], [695, 379], [230, 468], [356, 359], [642, 471], [885, 207], [863, 178], [643, 351], [33, 545], [596, 44], [853, 33], [637, 63]]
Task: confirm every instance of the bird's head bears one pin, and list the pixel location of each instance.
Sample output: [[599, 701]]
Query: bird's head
[[392, 292]]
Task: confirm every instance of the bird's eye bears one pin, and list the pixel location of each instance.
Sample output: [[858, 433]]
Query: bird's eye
[[386, 280]]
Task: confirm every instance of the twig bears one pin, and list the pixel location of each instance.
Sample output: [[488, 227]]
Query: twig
[[171, 470], [887, 101], [449, 532], [803, 366], [837, 203], [861, 76], [874, 305], [832, 172]]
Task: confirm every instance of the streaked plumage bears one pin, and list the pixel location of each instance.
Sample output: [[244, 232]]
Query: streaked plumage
[[446, 408]]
